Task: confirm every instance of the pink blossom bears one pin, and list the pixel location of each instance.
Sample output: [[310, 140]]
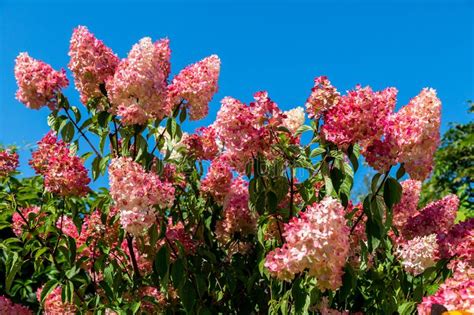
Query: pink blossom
[[66, 225], [416, 130], [202, 144], [317, 241], [247, 131], [218, 180], [158, 297], [237, 219], [8, 307], [92, 63], [359, 116], [458, 242], [18, 223], [323, 96], [408, 205], [144, 259], [53, 304], [38, 83], [418, 254], [135, 192], [64, 173], [457, 293], [177, 233], [8, 162], [138, 89], [197, 84], [436, 217]]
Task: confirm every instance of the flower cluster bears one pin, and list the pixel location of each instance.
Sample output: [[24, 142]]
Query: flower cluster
[[196, 84], [38, 83], [238, 219], [64, 173], [177, 233], [294, 119], [246, 131], [8, 162], [359, 116], [92, 63], [138, 89], [317, 241], [436, 217], [135, 192], [54, 305], [323, 96], [218, 180], [67, 226], [418, 254], [408, 205], [31, 213], [457, 293], [410, 136], [459, 242], [8, 307], [202, 144]]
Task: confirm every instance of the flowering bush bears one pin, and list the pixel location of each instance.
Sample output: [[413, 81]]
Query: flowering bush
[[268, 227]]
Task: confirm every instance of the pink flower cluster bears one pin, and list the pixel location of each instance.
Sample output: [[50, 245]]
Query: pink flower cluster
[[419, 253], [408, 205], [247, 131], [436, 217], [53, 304], [196, 84], [177, 233], [158, 297], [363, 116], [202, 144], [8, 307], [66, 225], [18, 223], [457, 293], [317, 241], [458, 242], [92, 63], [8, 162], [218, 180], [411, 136], [38, 83], [359, 116], [237, 219], [64, 173], [323, 96], [138, 89], [135, 192]]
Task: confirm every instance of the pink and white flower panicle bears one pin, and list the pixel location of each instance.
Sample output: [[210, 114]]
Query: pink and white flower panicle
[[38, 83], [317, 241], [136, 192], [91, 63], [64, 173], [8, 162]]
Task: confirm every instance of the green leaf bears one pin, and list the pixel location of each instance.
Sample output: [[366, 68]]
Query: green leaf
[[161, 264], [178, 273], [188, 296], [67, 132], [392, 192], [13, 265], [301, 297], [48, 288], [182, 115], [317, 151]]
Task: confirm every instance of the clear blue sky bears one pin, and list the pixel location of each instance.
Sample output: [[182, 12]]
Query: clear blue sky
[[274, 45]]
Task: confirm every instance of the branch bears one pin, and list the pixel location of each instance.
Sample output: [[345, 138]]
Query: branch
[[82, 133]]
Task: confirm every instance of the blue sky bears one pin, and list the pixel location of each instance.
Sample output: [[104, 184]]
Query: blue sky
[[275, 46]]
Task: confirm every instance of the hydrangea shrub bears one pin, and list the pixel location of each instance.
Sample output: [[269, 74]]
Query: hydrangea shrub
[[250, 214]]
